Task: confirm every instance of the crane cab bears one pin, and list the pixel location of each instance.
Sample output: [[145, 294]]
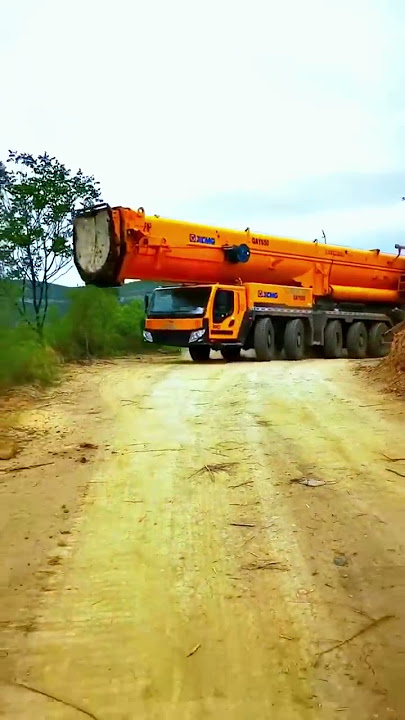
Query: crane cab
[[203, 315]]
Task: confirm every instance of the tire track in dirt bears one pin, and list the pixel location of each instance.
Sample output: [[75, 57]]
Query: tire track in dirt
[[160, 609], [345, 519]]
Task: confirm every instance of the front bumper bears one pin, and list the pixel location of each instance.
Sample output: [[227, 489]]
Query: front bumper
[[174, 338]]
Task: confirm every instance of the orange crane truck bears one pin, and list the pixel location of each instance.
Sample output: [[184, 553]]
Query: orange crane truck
[[242, 290]]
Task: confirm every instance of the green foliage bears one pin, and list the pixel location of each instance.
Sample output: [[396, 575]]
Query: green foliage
[[97, 325], [24, 359], [8, 297], [130, 326], [38, 198]]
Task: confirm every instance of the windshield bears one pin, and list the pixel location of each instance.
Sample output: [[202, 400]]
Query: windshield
[[179, 301]]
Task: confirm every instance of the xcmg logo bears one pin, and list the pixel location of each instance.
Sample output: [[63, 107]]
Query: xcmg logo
[[201, 239], [267, 294]]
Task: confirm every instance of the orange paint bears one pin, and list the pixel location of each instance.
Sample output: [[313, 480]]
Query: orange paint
[[181, 252]]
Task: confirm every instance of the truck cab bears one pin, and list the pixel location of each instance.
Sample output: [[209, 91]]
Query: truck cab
[[199, 317]]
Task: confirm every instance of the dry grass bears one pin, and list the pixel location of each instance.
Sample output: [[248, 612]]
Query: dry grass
[[391, 370], [214, 468]]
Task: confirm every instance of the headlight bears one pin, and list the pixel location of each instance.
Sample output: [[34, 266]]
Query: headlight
[[196, 335], [147, 336]]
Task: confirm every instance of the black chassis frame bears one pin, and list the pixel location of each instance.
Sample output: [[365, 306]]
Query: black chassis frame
[[315, 322]]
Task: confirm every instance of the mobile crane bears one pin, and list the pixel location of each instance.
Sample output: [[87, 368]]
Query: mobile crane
[[242, 290]]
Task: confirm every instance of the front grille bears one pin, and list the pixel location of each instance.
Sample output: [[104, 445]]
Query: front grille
[[176, 338]]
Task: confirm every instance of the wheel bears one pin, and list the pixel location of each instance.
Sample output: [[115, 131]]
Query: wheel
[[264, 343], [97, 256], [333, 339], [230, 353], [294, 340], [377, 347], [199, 353], [357, 341]]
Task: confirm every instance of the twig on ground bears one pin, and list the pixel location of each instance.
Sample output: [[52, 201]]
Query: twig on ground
[[365, 628], [395, 472], [247, 482], [374, 405], [194, 650], [19, 468], [248, 539], [390, 459], [56, 699], [156, 450], [265, 565], [235, 524], [222, 467], [372, 515], [332, 602], [218, 452], [213, 468], [257, 502]]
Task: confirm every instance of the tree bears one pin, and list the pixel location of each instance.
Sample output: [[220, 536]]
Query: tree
[[38, 198]]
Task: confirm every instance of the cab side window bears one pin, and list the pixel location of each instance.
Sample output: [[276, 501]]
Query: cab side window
[[223, 305]]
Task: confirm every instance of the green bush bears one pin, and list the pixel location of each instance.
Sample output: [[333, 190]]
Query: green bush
[[130, 325], [23, 359], [97, 325]]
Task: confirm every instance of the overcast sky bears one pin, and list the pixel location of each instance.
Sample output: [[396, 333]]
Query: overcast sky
[[287, 116]]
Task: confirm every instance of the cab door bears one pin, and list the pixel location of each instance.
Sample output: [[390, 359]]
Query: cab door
[[228, 309]]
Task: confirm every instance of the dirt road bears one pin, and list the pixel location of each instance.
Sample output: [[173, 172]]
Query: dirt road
[[166, 566]]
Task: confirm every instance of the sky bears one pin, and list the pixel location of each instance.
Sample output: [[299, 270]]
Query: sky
[[287, 116]]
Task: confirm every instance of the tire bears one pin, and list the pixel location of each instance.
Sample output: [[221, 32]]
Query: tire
[[200, 353], [333, 340], [377, 348], [294, 340], [357, 341], [264, 340], [231, 354]]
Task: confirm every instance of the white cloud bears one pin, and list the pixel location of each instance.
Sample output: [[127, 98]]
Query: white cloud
[[172, 104]]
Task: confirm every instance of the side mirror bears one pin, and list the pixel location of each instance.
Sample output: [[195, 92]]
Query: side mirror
[[146, 301]]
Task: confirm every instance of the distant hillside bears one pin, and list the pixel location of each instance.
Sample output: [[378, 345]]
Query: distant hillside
[[59, 295], [137, 290]]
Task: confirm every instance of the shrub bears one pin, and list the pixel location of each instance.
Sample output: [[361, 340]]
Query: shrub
[[97, 325], [130, 325], [23, 359]]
